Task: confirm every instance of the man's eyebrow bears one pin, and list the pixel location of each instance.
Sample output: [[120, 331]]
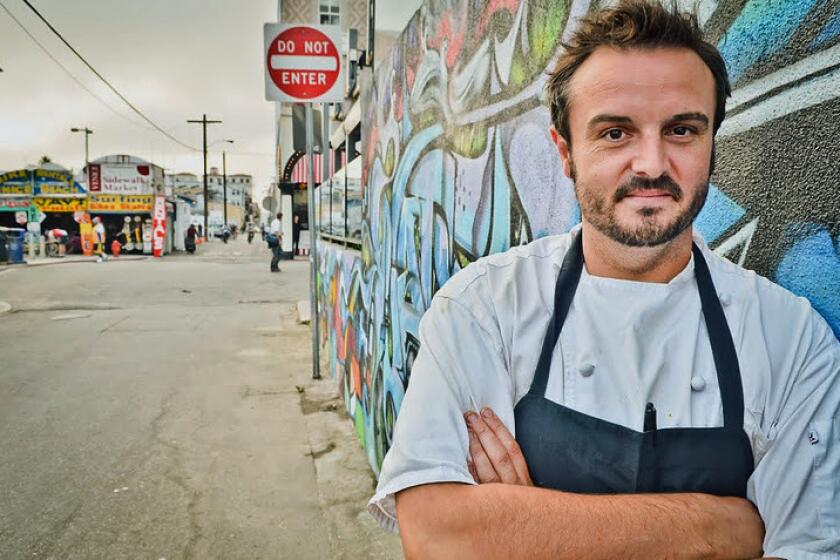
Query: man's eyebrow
[[703, 119], [598, 119]]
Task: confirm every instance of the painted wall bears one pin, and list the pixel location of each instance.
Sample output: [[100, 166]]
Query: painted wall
[[458, 164]]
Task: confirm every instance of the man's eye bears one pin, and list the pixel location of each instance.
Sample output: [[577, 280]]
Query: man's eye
[[681, 131], [614, 134]]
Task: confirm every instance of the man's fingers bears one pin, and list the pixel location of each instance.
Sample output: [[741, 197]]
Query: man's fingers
[[481, 466], [493, 448], [510, 445]]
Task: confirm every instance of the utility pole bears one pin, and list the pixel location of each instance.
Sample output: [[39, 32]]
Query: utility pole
[[204, 122], [87, 132], [224, 184], [224, 179]]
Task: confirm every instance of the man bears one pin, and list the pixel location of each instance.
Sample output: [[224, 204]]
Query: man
[[57, 237], [99, 240], [189, 243], [639, 396], [275, 241], [296, 235]]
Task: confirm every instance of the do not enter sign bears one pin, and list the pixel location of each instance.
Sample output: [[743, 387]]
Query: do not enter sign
[[302, 63]]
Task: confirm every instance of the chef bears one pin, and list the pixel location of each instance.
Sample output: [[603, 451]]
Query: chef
[[621, 391]]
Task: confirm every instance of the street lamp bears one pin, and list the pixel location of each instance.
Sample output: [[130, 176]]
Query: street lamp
[[87, 132]]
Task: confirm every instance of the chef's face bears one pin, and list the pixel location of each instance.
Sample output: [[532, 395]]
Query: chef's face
[[640, 122]]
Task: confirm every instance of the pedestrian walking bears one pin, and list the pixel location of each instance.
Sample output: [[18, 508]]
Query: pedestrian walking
[[99, 238], [295, 235], [275, 241], [190, 239]]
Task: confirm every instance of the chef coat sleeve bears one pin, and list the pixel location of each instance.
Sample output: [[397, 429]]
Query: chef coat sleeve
[[796, 485], [459, 367]]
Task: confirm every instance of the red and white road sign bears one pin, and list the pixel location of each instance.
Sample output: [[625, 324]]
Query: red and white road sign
[[303, 63]]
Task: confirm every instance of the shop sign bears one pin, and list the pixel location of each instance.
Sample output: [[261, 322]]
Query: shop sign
[[16, 183], [95, 177], [47, 204], [14, 204], [159, 226], [121, 204], [124, 179], [49, 182]]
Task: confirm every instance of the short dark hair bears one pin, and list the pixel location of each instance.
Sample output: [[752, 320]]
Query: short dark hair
[[279, 215], [632, 24]]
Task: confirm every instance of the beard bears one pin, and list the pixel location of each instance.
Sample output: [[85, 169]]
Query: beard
[[651, 231]]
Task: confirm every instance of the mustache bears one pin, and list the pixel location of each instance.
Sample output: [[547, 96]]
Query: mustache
[[636, 184]]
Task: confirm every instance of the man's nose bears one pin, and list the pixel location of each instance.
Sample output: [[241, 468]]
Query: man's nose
[[650, 159]]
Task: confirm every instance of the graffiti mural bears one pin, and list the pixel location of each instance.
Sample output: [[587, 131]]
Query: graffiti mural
[[458, 164]]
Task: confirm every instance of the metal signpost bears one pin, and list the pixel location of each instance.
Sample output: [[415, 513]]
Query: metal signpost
[[303, 64]]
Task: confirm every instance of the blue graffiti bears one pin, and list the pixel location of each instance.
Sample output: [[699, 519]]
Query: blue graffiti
[[762, 29], [813, 250], [718, 215]]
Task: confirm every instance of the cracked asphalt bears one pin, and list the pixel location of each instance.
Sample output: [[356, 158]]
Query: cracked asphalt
[[162, 409]]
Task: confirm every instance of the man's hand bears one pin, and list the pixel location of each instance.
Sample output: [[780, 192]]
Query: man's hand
[[494, 454]]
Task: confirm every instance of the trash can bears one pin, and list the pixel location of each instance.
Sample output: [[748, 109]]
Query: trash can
[[14, 245], [4, 253]]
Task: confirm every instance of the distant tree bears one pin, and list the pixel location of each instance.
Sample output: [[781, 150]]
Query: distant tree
[[44, 159]]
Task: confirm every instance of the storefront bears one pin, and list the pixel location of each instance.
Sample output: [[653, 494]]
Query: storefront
[[127, 217], [57, 197], [15, 197], [122, 194]]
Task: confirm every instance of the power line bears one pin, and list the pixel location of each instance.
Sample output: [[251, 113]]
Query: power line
[[66, 71], [106, 82]]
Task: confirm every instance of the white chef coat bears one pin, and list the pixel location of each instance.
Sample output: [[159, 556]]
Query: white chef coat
[[624, 344]]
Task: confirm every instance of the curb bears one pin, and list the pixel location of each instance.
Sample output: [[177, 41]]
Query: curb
[[85, 260]]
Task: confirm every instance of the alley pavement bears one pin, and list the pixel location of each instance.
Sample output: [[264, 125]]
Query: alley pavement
[[164, 409]]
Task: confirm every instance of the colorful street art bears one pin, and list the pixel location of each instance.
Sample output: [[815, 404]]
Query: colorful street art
[[458, 164]]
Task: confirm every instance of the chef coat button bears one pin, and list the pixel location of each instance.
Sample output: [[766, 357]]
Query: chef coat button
[[813, 437], [698, 383], [586, 369], [725, 299]]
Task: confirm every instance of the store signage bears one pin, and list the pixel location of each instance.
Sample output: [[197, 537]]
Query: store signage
[[159, 226], [15, 203], [123, 179], [302, 63], [120, 204], [94, 177], [16, 183], [52, 204]]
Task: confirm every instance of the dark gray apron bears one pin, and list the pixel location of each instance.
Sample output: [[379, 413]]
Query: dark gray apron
[[571, 451]]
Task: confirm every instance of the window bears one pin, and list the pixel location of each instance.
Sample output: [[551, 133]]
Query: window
[[353, 200], [328, 12]]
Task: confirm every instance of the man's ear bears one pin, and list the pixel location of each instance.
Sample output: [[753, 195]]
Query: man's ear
[[563, 149]]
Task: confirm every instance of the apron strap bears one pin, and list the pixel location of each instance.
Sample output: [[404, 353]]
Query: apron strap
[[723, 349], [564, 293]]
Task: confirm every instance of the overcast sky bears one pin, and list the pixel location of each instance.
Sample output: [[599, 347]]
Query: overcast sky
[[173, 59]]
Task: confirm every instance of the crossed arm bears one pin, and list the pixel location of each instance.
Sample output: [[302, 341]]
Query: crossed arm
[[505, 516]]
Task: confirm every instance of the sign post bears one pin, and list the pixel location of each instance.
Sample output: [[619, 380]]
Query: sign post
[[303, 65]]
